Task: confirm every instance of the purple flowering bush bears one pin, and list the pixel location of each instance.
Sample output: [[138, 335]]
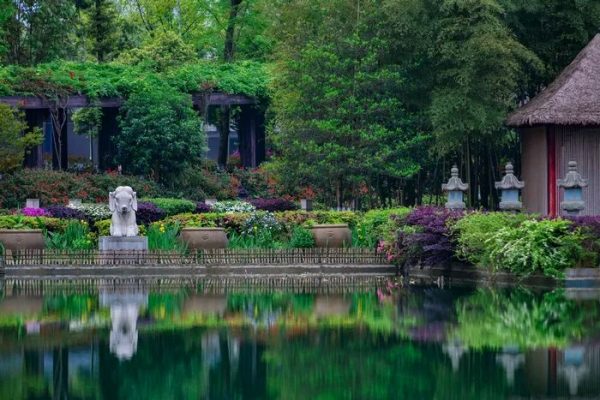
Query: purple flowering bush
[[202, 208], [148, 213], [34, 212], [272, 205], [64, 212], [425, 237]]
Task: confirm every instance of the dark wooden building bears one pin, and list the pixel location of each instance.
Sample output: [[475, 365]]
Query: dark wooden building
[[559, 125], [247, 135]]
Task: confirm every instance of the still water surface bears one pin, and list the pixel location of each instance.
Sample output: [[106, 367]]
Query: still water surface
[[100, 342]]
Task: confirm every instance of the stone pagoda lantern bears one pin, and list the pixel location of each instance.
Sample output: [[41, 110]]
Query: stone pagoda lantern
[[455, 189], [573, 184], [509, 188]]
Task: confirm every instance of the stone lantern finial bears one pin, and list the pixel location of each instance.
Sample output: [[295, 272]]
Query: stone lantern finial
[[455, 189], [573, 185], [509, 189]]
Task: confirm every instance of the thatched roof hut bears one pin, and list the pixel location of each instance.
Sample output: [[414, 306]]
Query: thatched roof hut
[[559, 125], [572, 99]]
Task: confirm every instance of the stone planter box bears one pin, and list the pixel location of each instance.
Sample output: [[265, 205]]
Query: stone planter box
[[22, 239], [204, 238], [332, 235]]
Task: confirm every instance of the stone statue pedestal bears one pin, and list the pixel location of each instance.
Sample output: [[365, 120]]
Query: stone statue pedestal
[[122, 243]]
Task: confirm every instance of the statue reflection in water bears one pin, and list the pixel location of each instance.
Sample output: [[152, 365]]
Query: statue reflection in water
[[124, 311]]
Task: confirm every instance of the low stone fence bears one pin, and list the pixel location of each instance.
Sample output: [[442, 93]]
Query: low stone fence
[[312, 256], [58, 264]]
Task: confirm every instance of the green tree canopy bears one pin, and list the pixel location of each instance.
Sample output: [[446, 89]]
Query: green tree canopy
[[160, 134], [341, 125], [14, 138]]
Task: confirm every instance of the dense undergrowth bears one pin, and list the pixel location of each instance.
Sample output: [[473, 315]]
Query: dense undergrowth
[[425, 236]]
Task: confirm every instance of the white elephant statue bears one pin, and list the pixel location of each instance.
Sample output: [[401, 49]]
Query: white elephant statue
[[123, 205]]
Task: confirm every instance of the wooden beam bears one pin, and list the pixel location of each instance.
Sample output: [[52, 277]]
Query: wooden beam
[[222, 99], [75, 101], [78, 101]]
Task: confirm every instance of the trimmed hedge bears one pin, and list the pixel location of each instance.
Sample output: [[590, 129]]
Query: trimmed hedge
[[173, 206]]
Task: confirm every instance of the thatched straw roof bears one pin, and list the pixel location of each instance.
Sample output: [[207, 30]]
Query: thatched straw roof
[[572, 99]]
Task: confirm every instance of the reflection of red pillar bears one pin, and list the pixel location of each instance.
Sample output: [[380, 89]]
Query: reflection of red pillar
[[552, 198], [552, 368]]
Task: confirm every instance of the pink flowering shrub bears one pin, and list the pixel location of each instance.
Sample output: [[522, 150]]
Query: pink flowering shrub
[[34, 212]]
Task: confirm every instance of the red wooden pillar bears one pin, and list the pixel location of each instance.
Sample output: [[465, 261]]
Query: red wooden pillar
[[552, 192]]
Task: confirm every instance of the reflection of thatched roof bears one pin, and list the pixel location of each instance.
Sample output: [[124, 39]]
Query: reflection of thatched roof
[[572, 99]]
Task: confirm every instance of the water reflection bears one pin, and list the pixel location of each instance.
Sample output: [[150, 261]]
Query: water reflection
[[414, 342], [124, 310]]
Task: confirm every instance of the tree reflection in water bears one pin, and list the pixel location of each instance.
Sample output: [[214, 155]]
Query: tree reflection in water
[[414, 342]]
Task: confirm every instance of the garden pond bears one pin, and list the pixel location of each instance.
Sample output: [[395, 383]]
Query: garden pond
[[102, 340]]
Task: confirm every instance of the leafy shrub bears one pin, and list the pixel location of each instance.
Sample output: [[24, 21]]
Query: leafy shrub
[[34, 212], [65, 212], [547, 246], [189, 220], [173, 206], [56, 187], [76, 236], [273, 204], [162, 122], [202, 208], [473, 231], [377, 225], [22, 222], [590, 228], [301, 238], [14, 138], [94, 212], [102, 227], [425, 239], [148, 213], [233, 206]]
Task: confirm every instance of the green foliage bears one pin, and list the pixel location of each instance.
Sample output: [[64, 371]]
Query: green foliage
[[341, 126], [164, 237], [247, 77], [56, 187], [261, 239], [479, 67], [492, 318], [173, 206], [554, 30], [161, 135], [376, 225], [40, 31], [100, 22], [76, 236], [14, 140], [301, 238], [547, 246], [87, 121], [21, 222], [162, 51], [119, 80], [473, 231], [102, 227]]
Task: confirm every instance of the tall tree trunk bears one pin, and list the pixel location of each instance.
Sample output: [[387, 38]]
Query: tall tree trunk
[[224, 119], [228, 56], [229, 50]]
